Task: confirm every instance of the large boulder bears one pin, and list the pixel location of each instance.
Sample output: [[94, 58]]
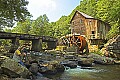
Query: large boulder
[[34, 68], [85, 62], [71, 64], [101, 59], [13, 69], [51, 67]]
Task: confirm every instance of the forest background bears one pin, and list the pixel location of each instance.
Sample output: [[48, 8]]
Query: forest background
[[15, 11]]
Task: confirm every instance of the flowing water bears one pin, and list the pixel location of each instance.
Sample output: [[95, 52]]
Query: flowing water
[[99, 72]]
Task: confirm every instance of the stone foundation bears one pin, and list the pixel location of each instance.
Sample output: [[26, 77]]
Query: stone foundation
[[112, 48]]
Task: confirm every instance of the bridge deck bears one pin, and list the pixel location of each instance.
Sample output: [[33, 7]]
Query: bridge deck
[[7, 35]]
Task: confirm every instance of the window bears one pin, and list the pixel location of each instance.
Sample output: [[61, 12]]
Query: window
[[90, 22], [81, 21], [93, 32]]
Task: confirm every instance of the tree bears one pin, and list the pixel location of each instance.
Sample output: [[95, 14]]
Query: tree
[[50, 30], [23, 27], [115, 30], [61, 27], [104, 9], [39, 26], [11, 11], [108, 11]]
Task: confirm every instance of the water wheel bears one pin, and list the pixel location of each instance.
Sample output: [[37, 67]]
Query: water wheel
[[75, 40]]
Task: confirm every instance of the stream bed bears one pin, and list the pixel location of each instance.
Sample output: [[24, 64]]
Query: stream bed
[[99, 72]]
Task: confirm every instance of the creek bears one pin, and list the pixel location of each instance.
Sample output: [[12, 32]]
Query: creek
[[99, 72]]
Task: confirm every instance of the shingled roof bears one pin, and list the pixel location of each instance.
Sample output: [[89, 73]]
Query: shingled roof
[[83, 14]]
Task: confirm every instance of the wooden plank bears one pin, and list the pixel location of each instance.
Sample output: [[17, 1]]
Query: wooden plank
[[5, 35]]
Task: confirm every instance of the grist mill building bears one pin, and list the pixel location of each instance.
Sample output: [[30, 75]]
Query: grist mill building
[[93, 29]]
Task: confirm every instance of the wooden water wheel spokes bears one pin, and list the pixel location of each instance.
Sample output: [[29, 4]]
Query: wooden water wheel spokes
[[68, 41], [77, 41], [64, 41]]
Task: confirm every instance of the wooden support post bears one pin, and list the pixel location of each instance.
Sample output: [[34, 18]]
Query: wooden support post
[[51, 45], [37, 45], [15, 45]]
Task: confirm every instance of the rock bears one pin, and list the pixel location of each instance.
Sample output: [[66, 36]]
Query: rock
[[2, 58], [117, 61], [1, 71], [51, 67], [53, 52], [112, 46], [72, 49], [4, 77], [85, 62], [69, 56], [20, 79], [101, 59], [43, 78], [94, 56], [71, 64], [13, 69], [34, 68]]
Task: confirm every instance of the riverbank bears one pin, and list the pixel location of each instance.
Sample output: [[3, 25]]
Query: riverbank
[[52, 62]]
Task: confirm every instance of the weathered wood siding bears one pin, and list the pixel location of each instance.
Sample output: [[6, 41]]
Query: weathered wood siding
[[94, 30], [102, 30], [78, 24], [91, 28]]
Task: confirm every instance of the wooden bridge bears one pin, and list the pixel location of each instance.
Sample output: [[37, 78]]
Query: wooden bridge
[[36, 40]]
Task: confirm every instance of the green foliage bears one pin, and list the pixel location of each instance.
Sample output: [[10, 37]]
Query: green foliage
[[88, 7], [4, 42], [115, 30], [22, 27], [8, 30], [108, 10], [61, 27], [40, 25], [98, 52], [11, 11]]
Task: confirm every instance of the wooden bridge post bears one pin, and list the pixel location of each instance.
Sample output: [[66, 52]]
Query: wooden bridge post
[[15, 44], [51, 45], [37, 45]]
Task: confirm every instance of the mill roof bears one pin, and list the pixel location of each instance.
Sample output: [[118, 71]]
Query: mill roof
[[83, 14]]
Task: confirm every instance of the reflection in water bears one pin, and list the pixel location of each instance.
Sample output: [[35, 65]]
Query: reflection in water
[[100, 72]]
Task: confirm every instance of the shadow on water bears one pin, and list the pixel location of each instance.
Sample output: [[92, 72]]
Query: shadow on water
[[100, 72]]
